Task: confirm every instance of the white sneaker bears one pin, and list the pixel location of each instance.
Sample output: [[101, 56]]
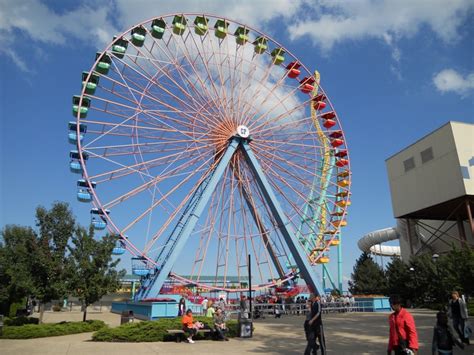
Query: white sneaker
[[190, 341]]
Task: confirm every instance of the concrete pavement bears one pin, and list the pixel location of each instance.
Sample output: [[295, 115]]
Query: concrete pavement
[[346, 333]]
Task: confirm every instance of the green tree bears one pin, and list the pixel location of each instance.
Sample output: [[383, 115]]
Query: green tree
[[48, 259], [400, 280], [15, 275], [367, 277], [92, 272]]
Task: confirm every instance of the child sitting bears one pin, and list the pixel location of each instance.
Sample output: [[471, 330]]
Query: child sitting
[[189, 327]]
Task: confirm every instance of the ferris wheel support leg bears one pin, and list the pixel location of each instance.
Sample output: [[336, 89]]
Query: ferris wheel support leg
[[156, 283], [283, 223]]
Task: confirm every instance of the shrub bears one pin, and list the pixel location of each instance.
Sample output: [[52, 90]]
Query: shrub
[[18, 321], [150, 331], [30, 331]]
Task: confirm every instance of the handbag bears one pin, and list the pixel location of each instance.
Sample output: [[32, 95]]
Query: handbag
[[467, 330]]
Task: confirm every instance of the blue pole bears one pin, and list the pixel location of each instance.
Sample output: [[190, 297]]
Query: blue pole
[[283, 223], [181, 234]]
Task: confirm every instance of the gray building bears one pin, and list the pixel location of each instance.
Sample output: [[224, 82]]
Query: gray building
[[432, 191]]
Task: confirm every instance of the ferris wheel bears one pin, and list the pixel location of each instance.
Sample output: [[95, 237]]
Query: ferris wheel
[[199, 141]]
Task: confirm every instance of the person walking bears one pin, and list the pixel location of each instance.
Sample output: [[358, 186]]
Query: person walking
[[204, 304], [315, 327], [403, 338], [210, 310], [181, 307], [457, 311], [444, 337]]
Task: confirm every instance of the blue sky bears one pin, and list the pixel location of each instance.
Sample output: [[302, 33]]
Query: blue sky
[[394, 70]]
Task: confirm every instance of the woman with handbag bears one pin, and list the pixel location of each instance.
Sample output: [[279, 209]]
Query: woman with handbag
[[403, 338]]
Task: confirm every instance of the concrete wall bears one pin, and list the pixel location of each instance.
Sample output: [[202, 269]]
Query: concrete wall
[[436, 180], [464, 139]]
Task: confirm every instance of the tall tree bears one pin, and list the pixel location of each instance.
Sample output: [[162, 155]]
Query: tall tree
[[48, 258], [367, 277], [15, 275], [400, 280], [92, 272]]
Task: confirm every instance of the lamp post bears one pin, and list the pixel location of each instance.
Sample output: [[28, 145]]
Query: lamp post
[[412, 270], [435, 257]]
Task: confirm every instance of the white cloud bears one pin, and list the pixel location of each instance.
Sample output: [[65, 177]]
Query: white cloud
[[339, 20], [449, 80]]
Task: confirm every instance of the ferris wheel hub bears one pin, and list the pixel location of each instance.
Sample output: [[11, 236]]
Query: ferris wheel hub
[[243, 131]]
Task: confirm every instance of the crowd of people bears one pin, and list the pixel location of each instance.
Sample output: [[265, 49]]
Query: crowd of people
[[451, 328]]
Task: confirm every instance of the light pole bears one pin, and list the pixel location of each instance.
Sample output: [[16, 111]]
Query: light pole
[[412, 270], [435, 257]]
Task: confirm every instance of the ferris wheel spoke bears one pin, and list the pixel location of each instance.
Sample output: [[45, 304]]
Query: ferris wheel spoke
[[183, 74]]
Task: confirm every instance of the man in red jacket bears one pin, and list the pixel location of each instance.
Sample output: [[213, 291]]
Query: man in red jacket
[[403, 338]]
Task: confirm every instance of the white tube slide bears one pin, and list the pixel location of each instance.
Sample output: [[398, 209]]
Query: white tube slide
[[372, 242]]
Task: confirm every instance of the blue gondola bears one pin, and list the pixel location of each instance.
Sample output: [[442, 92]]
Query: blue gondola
[[83, 190], [74, 164], [119, 248], [140, 266], [72, 136], [98, 218]]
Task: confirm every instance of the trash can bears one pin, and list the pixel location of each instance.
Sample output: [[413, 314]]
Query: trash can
[[126, 317], [245, 328]]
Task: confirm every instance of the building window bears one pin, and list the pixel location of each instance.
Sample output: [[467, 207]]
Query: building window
[[465, 172], [409, 164], [426, 155]]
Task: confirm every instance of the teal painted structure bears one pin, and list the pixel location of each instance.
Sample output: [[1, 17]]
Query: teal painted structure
[[374, 304]]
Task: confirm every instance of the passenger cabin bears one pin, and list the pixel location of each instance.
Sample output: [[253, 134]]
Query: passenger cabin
[[119, 47], [328, 115], [104, 63], [98, 218], [333, 241], [343, 183], [75, 164], [158, 27], [83, 190], [307, 84], [339, 223], [221, 28], [91, 84], [241, 35], [343, 203], [72, 135], [119, 248], [293, 69], [319, 102], [201, 25], [342, 162], [179, 25], [140, 266], [260, 44], [278, 55], [83, 108], [329, 123], [324, 259], [138, 36]]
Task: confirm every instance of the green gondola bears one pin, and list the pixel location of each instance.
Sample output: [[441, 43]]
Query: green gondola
[[104, 63], [201, 25], [241, 35], [278, 55], [179, 24], [221, 28], [91, 84], [120, 47], [260, 45], [138, 36], [83, 109], [158, 28]]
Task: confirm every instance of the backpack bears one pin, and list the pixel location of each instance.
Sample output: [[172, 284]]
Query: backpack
[[444, 337]]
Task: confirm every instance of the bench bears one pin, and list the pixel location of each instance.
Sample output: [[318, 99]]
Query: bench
[[179, 333]]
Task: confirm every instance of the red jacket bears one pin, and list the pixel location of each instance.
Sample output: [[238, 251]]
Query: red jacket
[[404, 322]]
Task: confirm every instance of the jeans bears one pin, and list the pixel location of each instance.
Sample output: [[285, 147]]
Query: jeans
[[220, 333], [311, 336]]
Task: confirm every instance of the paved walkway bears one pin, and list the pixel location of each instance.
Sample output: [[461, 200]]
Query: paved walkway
[[348, 333]]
